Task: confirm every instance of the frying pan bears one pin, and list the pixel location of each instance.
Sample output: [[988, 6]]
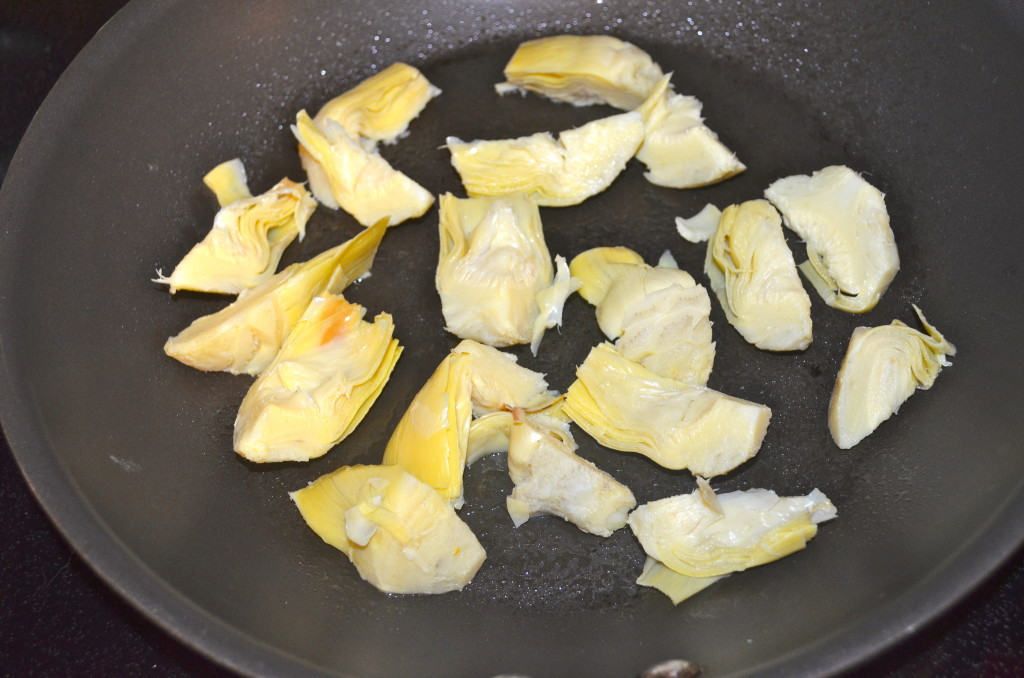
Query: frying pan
[[130, 452]]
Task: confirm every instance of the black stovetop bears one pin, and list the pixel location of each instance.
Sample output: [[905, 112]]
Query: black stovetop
[[58, 618]]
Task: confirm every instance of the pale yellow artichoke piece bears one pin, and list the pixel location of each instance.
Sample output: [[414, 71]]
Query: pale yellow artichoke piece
[[248, 237], [582, 70], [488, 434], [678, 148], [432, 438], [551, 479], [851, 249], [678, 587], [626, 407], [323, 381], [362, 183], [400, 534], [747, 528], [701, 226], [883, 367], [581, 163], [499, 383], [244, 337], [492, 264], [551, 302], [380, 107], [228, 182], [658, 316], [754, 276]]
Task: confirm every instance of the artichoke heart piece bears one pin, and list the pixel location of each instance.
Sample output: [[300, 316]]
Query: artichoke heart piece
[[678, 149], [678, 587], [343, 173], [851, 250], [244, 337], [498, 382], [431, 439], [754, 276], [701, 226], [740, 530], [326, 377], [581, 163], [658, 316], [400, 534], [381, 107], [626, 407], [493, 263], [582, 70], [883, 367], [551, 479], [248, 237]]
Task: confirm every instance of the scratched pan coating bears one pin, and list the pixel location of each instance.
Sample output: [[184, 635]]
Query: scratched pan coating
[[130, 452]]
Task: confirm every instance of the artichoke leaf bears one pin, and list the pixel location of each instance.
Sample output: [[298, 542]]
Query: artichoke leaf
[[752, 527], [551, 302], [701, 226], [244, 337], [551, 479], [401, 535], [582, 70], [679, 150], [432, 438], [678, 587], [754, 276], [321, 384], [851, 249], [499, 383], [882, 368], [626, 407], [493, 263], [583, 161], [344, 174], [248, 237]]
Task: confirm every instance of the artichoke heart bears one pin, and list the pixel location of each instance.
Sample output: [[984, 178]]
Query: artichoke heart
[[244, 337], [248, 237], [400, 534], [851, 250], [381, 107], [754, 276], [582, 70], [343, 173], [882, 368], [493, 263], [499, 383], [738, 530], [551, 479], [581, 163], [323, 381], [432, 437], [658, 316], [679, 149], [626, 407], [701, 226]]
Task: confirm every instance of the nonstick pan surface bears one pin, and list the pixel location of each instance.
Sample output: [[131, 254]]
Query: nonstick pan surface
[[130, 453]]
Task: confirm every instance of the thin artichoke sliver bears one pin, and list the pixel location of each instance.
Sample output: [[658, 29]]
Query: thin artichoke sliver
[[678, 587], [244, 337], [327, 374]]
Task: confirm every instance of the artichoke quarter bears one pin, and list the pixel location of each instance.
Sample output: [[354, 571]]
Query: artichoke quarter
[[550, 478], [627, 407], [244, 337], [883, 367], [658, 316], [582, 70], [248, 236], [695, 539], [679, 150], [851, 250], [581, 163], [400, 534], [344, 174], [754, 276], [323, 381]]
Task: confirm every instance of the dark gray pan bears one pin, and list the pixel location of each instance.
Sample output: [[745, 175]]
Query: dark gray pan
[[130, 452]]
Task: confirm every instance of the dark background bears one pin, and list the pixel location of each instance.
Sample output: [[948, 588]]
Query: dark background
[[58, 618]]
